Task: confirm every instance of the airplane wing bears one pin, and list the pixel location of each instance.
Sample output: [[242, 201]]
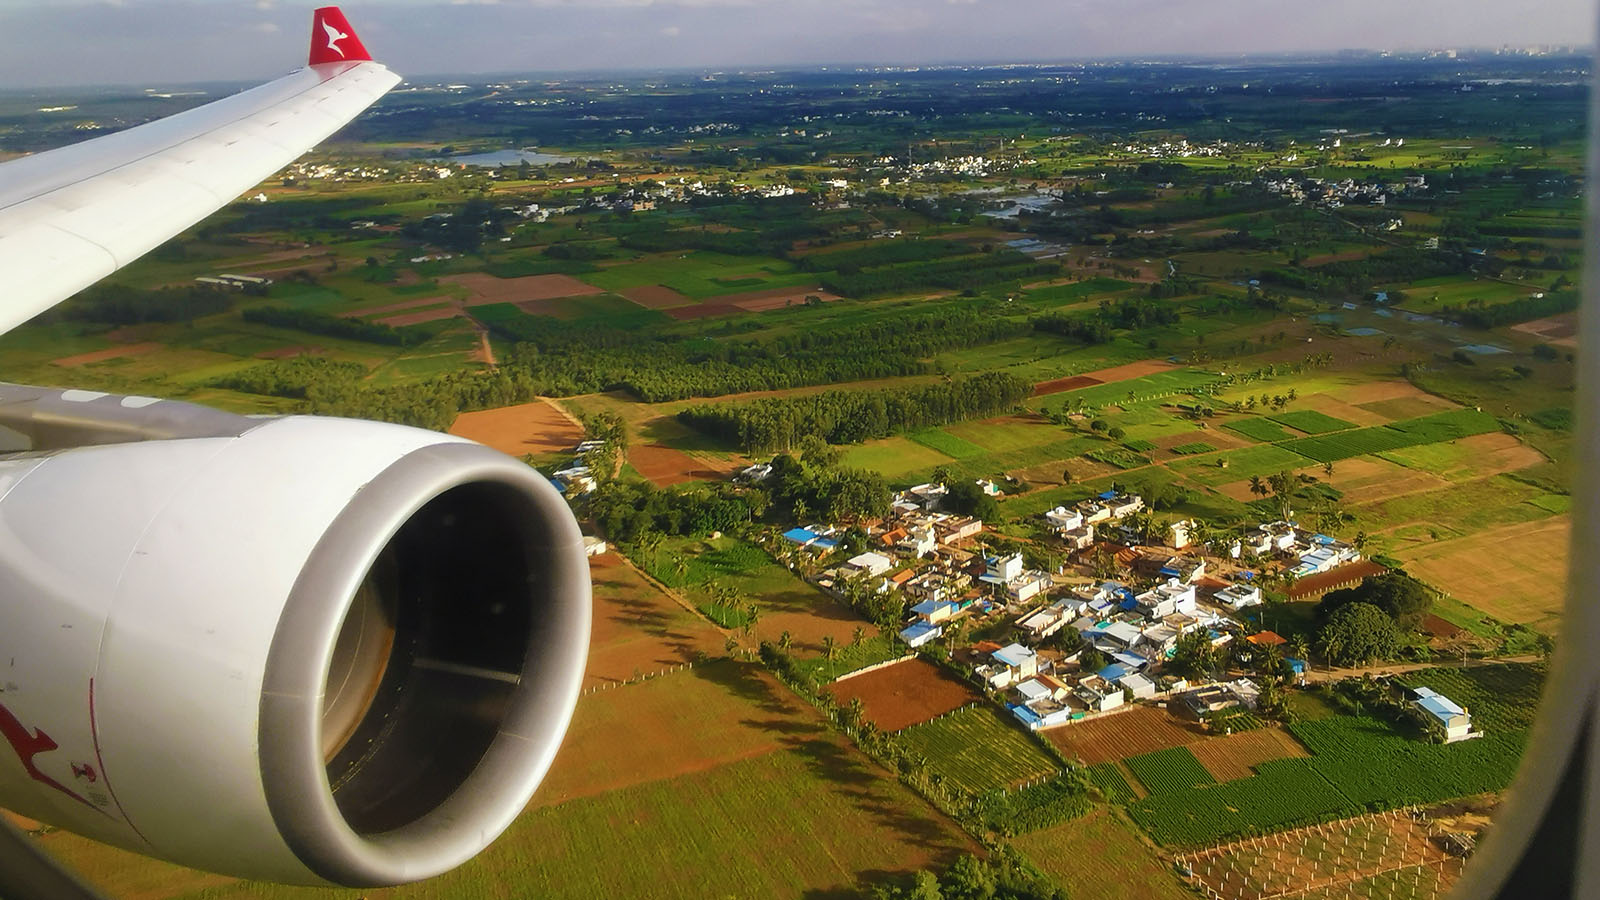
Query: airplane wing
[[71, 216]]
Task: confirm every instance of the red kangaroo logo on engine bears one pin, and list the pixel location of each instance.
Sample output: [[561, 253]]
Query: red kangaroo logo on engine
[[30, 744]]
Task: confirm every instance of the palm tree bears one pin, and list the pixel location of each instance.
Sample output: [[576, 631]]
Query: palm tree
[[830, 647], [1301, 648], [1257, 486], [859, 633], [680, 566], [785, 641]]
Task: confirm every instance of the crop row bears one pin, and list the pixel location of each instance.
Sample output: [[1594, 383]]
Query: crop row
[[1173, 770], [977, 751]]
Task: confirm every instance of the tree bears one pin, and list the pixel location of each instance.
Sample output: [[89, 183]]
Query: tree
[[1194, 655], [968, 499], [785, 641], [1090, 659], [1405, 599], [1358, 633], [1257, 486], [1301, 649], [830, 647]]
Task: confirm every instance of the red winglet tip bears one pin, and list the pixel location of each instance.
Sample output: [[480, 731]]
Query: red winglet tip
[[332, 38]]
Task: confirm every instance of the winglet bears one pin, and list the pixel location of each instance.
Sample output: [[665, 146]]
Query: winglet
[[332, 38]]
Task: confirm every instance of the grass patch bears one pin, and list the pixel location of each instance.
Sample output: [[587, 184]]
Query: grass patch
[[1193, 449], [948, 444]]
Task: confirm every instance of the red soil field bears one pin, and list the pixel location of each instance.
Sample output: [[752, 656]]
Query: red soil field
[[904, 694], [94, 356], [656, 296], [1070, 383], [638, 630], [703, 311], [1141, 730], [489, 289], [537, 427], [665, 466]]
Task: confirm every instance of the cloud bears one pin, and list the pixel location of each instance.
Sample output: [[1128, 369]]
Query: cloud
[[672, 31]]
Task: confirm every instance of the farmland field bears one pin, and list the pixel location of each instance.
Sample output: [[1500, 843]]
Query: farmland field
[[537, 427], [1124, 867], [904, 694], [1311, 422], [1445, 426], [1139, 730], [978, 751], [1174, 770], [1109, 779], [636, 628], [1258, 429], [1358, 761], [1513, 572], [1236, 755], [1388, 855], [946, 443]]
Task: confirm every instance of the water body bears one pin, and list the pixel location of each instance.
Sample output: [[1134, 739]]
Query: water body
[[1364, 331], [499, 158], [1484, 349]]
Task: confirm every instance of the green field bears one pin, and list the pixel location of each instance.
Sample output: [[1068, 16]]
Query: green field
[[1445, 426], [702, 274], [1174, 770], [945, 443], [1143, 389], [1258, 429], [1109, 779], [977, 751], [1100, 857], [1311, 422], [1264, 459], [896, 456], [1361, 762], [1194, 449]]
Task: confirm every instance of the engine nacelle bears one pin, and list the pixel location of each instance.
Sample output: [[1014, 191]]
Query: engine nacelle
[[313, 651]]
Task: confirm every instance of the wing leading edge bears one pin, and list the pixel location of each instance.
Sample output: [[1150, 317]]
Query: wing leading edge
[[71, 216]]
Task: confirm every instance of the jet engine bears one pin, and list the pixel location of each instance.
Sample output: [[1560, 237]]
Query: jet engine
[[300, 649]]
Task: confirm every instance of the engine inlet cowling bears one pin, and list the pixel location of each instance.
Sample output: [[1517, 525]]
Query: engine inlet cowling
[[312, 651]]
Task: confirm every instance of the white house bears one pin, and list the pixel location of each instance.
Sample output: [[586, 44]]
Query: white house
[[1064, 519], [1098, 694], [1166, 599], [1003, 569], [919, 633], [1442, 716], [1078, 538], [1047, 621], [871, 563], [1138, 685], [929, 495], [1238, 596]]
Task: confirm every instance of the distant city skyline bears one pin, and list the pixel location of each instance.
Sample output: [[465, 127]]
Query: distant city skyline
[[159, 42]]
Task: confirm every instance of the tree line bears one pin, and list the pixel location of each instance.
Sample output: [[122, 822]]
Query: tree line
[[843, 417], [564, 359], [1512, 312], [313, 322], [1097, 327]]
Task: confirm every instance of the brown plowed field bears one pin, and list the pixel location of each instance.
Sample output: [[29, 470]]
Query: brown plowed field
[[684, 722], [94, 356], [393, 307], [1236, 755], [1104, 376], [1141, 730], [1071, 383], [417, 318], [703, 311], [664, 466], [656, 296], [1340, 409], [638, 630], [904, 694], [486, 288], [1561, 330], [779, 298], [537, 427], [1312, 585]]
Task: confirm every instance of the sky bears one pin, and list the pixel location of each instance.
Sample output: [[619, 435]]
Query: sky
[[165, 42]]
